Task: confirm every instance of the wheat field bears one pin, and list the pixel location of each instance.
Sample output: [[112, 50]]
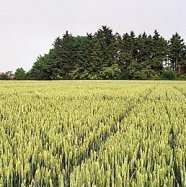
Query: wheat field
[[92, 133]]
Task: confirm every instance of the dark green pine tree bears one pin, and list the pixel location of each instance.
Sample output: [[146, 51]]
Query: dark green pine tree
[[143, 48], [106, 46], [92, 53], [87, 58], [125, 53], [159, 52], [93, 57], [177, 51], [65, 60], [141, 53], [81, 65]]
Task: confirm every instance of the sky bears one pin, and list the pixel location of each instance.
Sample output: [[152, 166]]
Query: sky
[[28, 28]]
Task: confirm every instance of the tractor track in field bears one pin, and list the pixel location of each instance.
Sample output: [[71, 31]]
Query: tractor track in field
[[95, 145], [183, 93], [174, 144]]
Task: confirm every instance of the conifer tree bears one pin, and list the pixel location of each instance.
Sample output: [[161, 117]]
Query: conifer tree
[[177, 50]]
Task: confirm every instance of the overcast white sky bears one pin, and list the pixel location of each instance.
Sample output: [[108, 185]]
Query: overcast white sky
[[29, 27]]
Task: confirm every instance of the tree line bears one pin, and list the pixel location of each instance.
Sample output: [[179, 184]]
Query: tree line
[[108, 55]]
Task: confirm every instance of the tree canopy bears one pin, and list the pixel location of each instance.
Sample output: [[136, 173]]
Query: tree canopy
[[108, 55]]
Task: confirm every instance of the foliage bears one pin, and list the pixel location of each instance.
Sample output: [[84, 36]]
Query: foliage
[[112, 72], [108, 55], [20, 74], [177, 52], [6, 76], [168, 74]]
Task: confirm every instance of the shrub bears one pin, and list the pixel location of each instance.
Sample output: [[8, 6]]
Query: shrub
[[168, 74]]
